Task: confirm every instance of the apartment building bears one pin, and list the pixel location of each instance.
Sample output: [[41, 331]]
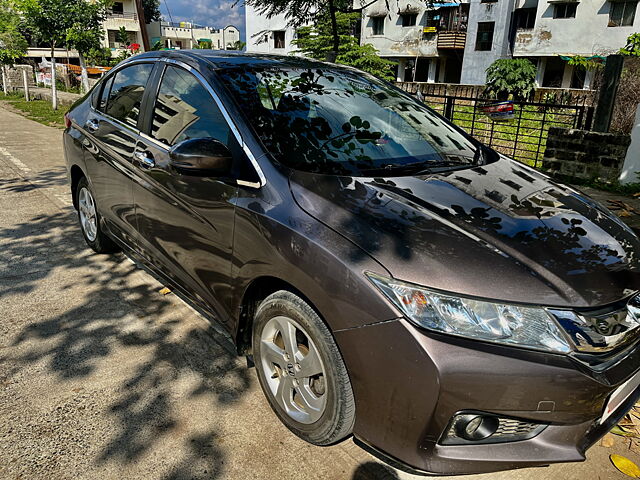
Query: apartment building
[[122, 14], [185, 35], [268, 35], [426, 39], [547, 32]]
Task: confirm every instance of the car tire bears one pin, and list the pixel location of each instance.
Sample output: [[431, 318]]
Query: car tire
[[319, 408], [89, 220]]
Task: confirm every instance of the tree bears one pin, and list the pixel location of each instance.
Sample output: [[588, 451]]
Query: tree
[[151, 10], [317, 42], [49, 21], [86, 32], [237, 45], [13, 45], [299, 13], [511, 76], [632, 48]]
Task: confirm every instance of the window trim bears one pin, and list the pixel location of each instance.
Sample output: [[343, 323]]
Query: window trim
[[625, 3], [216, 98], [478, 32], [111, 77]]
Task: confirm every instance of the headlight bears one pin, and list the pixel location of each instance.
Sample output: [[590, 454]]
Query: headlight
[[492, 322]]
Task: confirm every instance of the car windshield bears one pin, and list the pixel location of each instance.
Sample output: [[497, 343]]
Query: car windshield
[[335, 121]]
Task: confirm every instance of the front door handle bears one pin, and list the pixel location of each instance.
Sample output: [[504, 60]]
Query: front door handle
[[145, 159], [92, 125]]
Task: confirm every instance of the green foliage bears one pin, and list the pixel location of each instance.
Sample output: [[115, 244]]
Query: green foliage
[[632, 48], [86, 32], [49, 20], [13, 45], [99, 56], [151, 10], [317, 41], [511, 76], [585, 62], [237, 45], [38, 110], [298, 13], [123, 36]]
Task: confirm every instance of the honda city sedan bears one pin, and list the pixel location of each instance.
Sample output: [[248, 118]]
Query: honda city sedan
[[390, 277]]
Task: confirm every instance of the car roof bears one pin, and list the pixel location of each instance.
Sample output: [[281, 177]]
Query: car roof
[[223, 59]]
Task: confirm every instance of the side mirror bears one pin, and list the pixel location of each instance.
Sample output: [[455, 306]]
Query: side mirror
[[202, 156]]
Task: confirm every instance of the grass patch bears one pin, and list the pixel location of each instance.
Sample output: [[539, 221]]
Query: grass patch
[[38, 110], [523, 138]]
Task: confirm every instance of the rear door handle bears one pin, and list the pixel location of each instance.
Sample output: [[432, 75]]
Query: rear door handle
[[145, 159], [92, 125]]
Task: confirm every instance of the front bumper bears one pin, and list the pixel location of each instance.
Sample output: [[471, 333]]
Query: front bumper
[[408, 385]]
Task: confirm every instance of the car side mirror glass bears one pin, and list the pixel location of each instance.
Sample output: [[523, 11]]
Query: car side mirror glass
[[202, 156]]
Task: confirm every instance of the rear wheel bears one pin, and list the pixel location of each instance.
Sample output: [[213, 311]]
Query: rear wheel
[[90, 220], [301, 370]]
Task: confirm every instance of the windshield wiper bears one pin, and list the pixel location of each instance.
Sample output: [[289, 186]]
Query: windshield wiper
[[416, 168]]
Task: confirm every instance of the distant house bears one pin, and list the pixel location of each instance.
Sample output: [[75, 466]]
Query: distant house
[[185, 35]]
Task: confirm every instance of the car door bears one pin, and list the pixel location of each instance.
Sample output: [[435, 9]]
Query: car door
[[186, 221], [112, 134]]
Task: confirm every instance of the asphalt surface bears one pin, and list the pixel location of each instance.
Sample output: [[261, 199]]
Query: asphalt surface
[[101, 376]]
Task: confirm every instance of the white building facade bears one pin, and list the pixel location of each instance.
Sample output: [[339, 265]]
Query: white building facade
[[547, 32], [268, 35], [123, 14], [186, 35]]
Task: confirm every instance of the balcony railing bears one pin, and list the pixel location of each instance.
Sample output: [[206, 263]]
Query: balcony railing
[[451, 39], [124, 15]]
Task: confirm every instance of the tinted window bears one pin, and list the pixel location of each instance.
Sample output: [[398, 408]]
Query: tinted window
[[126, 93], [184, 109], [345, 123]]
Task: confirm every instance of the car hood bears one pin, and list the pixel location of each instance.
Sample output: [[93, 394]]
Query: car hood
[[500, 231]]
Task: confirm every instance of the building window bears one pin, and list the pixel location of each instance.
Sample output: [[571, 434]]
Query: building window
[[278, 39], [484, 40], [408, 19], [526, 18], [377, 24], [565, 10], [117, 8], [622, 14]]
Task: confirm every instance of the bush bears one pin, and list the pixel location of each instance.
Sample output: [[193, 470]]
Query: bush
[[514, 77]]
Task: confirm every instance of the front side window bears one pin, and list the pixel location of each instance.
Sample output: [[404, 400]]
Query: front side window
[[377, 25], [184, 110], [565, 10], [338, 122], [126, 93], [484, 40], [408, 19], [622, 14]]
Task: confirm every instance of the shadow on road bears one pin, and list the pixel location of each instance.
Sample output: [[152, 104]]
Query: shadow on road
[[114, 314], [374, 471], [53, 177]]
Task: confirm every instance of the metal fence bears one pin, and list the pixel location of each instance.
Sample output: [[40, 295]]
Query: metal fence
[[524, 136]]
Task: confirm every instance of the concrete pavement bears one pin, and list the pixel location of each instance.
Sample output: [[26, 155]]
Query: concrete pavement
[[101, 376]]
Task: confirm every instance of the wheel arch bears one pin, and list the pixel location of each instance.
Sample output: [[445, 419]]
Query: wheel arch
[[76, 174], [257, 290]]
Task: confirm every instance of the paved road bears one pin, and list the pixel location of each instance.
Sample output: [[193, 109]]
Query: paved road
[[101, 376]]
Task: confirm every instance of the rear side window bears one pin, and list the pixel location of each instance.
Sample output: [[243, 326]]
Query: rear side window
[[184, 110], [126, 93]]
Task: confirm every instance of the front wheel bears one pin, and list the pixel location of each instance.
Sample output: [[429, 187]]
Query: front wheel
[[301, 370]]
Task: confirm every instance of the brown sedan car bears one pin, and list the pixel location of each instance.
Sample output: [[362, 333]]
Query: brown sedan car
[[390, 276]]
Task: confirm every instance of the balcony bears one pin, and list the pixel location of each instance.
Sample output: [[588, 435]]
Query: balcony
[[124, 15], [448, 40]]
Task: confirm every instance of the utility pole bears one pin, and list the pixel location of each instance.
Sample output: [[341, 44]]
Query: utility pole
[[143, 26]]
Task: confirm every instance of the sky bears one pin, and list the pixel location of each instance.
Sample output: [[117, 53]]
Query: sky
[[211, 13]]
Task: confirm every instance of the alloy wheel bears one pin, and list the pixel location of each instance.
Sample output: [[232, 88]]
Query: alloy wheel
[[293, 369], [88, 216]]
